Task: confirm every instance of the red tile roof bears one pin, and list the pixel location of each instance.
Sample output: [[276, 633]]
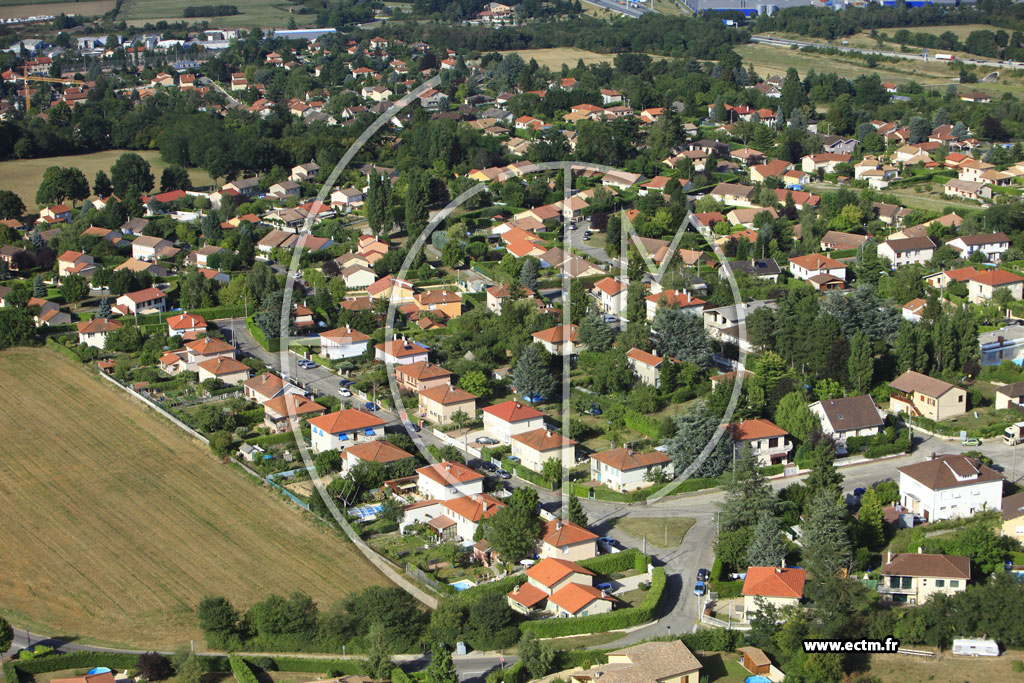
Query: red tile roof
[[758, 428], [623, 459], [551, 570], [377, 451], [527, 595], [448, 473], [573, 597], [347, 420], [97, 325], [447, 395], [475, 507], [772, 582], [186, 321], [560, 533], [513, 411], [542, 440], [223, 366]]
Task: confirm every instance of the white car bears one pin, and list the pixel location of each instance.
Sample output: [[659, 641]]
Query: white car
[[344, 393]]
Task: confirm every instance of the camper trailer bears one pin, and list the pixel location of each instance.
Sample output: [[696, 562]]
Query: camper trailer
[[975, 647]]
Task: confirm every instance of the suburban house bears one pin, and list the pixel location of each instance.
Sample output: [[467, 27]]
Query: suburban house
[[559, 340], [983, 286], [149, 248], [142, 301], [207, 348], [623, 470], [186, 325], [371, 451], [1013, 516], [75, 263], [917, 394], [834, 240], [227, 370], [566, 541], [438, 404], [449, 304], [535, 447], [770, 169], [656, 662], [611, 295], [992, 245], [967, 189], [1010, 396], [401, 352], [902, 252], [417, 377], [948, 487], [504, 420], [447, 480], [343, 342], [646, 366], [452, 519], [733, 194], [760, 268], [722, 323], [560, 587], [1006, 343], [497, 294], [264, 387], [850, 416], [673, 299], [94, 332], [912, 578], [284, 413], [335, 431], [810, 265], [769, 443], [779, 586]]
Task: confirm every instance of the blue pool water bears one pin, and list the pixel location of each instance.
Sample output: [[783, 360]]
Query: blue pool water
[[757, 679], [99, 670], [367, 512], [463, 584]]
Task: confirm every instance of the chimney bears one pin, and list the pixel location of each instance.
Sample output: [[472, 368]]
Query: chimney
[[888, 557], [778, 570], [920, 550], [783, 562], [558, 526], [448, 467], [603, 594]]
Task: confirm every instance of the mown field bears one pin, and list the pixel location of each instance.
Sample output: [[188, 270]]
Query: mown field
[[555, 57], [115, 524], [945, 667], [10, 9], [23, 176], [265, 13]]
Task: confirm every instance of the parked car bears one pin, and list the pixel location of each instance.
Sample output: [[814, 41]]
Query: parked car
[[513, 458], [700, 588], [504, 475], [604, 587], [371, 407], [611, 319], [412, 427], [703, 575], [486, 440], [970, 441], [344, 393], [488, 466]]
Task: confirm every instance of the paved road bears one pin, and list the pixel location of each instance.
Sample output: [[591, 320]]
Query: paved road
[[782, 42]]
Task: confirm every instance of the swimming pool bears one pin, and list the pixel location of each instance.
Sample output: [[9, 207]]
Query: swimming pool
[[100, 670], [757, 679], [366, 513], [462, 584]]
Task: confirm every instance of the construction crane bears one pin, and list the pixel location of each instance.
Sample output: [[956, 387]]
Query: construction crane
[[28, 96]]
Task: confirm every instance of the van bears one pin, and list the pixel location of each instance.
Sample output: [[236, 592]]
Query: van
[[975, 647]]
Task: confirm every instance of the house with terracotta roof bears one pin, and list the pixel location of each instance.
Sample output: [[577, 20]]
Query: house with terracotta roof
[[401, 351], [94, 332], [673, 299], [395, 290], [442, 301], [335, 431], [646, 366], [770, 444], [186, 325], [504, 420], [343, 342], [580, 600], [779, 586], [537, 446], [912, 578], [948, 487], [417, 377], [207, 348], [983, 286], [383, 452], [497, 294], [439, 403], [807, 266], [559, 340], [545, 578], [1013, 516], [771, 169], [149, 248], [75, 263], [452, 519], [227, 370], [447, 480], [655, 662], [623, 469], [264, 387], [611, 295], [921, 395], [566, 541], [849, 416], [143, 301], [285, 412]]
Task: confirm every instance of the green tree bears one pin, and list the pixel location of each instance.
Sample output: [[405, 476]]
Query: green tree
[[131, 176], [825, 539], [795, 417], [6, 637], [766, 548], [871, 520], [187, 667], [103, 311], [694, 430], [38, 287], [513, 532], [861, 364], [378, 660], [537, 657], [580, 302], [681, 335], [819, 455], [532, 374], [476, 383], [595, 333], [552, 470], [577, 515], [792, 96], [101, 186], [74, 288], [442, 668], [636, 302], [748, 494], [175, 177], [528, 273], [447, 622], [11, 205]]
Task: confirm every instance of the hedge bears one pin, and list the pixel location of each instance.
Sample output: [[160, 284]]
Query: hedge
[[316, 666], [272, 345], [713, 639], [729, 589], [526, 473], [22, 671], [494, 590], [602, 493], [52, 343], [612, 562], [241, 670], [601, 623]]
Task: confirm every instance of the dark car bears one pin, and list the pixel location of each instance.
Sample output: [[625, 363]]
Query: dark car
[[371, 407], [486, 440], [504, 475], [703, 575], [412, 427], [488, 466]]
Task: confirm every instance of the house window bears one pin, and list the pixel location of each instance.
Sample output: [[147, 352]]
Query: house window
[[940, 583], [954, 583], [906, 582]]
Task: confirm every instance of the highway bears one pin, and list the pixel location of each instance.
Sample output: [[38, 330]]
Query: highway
[[980, 61], [625, 9]]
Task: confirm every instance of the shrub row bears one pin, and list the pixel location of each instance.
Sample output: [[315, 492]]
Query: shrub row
[[309, 665], [612, 562], [272, 345], [493, 590], [713, 640], [241, 670], [22, 671], [524, 472], [53, 344], [729, 589], [600, 623]]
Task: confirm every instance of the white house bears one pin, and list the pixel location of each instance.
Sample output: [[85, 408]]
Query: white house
[[622, 469], [950, 486], [343, 342], [94, 332], [504, 420], [901, 252], [338, 430], [151, 299], [992, 245], [806, 267], [401, 352], [1006, 343], [447, 480], [850, 416], [611, 295]]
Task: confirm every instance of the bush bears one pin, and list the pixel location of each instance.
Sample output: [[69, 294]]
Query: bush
[[153, 666], [728, 589], [242, 671], [611, 563], [713, 639]]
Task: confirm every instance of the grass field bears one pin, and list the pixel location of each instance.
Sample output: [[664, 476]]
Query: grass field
[[90, 8], [945, 667], [661, 532], [555, 57], [115, 524], [23, 176], [266, 13]]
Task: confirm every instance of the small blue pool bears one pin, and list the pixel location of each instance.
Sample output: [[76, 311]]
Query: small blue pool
[[99, 670], [757, 679], [366, 513], [462, 584]]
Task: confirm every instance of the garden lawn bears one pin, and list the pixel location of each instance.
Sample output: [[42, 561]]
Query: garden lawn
[[116, 524], [661, 532]]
